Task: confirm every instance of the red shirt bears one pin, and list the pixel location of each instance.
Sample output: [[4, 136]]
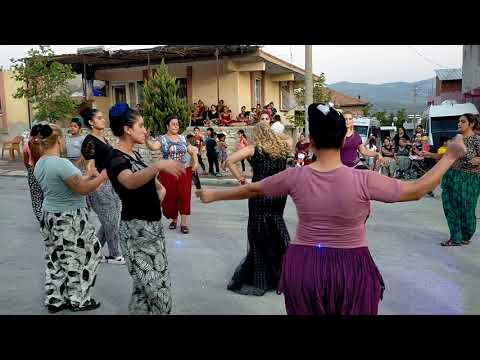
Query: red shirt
[[198, 142]]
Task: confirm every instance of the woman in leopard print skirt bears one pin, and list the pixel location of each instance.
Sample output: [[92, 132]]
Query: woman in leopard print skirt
[[31, 154]]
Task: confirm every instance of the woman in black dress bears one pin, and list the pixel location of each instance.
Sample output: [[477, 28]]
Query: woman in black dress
[[267, 233]]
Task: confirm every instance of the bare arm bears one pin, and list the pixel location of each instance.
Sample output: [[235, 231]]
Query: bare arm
[[83, 185], [134, 180], [90, 168], [236, 193], [237, 156], [430, 155], [25, 159], [368, 153], [193, 151], [153, 145]]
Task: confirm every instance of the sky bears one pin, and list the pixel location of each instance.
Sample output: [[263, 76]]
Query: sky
[[373, 64]]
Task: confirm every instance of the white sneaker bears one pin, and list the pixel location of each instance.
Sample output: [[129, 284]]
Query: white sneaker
[[104, 259], [119, 260]]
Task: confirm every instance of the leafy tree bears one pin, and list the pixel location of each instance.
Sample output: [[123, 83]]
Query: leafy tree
[[383, 118], [45, 84], [161, 101], [321, 94], [366, 110], [401, 116]]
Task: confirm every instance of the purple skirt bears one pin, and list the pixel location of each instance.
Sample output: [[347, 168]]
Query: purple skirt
[[329, 281]]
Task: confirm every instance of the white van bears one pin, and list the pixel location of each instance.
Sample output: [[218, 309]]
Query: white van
[[442, 120], [365, 127]]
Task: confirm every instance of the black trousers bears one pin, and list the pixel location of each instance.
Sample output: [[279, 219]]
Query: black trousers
[[243, 165], [212, 160], [200, 161], [196, 180]]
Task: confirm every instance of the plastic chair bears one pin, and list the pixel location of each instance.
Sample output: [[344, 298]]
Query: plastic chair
[[12, 145]]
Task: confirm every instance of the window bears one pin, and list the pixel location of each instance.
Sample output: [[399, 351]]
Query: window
[[140, 95], [132, 94], [258, 91], [181, 87], [287, 100]]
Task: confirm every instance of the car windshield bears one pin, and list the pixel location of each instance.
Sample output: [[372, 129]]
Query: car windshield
[[361, 130]]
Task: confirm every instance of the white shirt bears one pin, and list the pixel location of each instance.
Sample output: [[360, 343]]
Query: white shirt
[[278, 127]]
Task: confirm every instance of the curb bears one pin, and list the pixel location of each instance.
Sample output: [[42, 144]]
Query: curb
[[13, 173]]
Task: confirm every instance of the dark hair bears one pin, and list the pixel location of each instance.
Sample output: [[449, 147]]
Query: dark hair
[[401, 127], [221, 136], [121, 115], [277, 118], [472, 119], [372, 141], [87, 114], [444, 139], [77, 121], [241, 131], [326, 126], [35, 130], [195, 128], [212, 132], [169, 119], [189, 136]]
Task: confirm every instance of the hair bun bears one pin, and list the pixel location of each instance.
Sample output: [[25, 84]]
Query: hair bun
[[118, 110], [45, 131]]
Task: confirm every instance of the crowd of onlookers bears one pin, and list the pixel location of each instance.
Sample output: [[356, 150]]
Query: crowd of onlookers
[[221, 114]]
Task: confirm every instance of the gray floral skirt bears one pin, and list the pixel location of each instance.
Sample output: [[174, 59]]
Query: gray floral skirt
[[72, 255], [143, 246]]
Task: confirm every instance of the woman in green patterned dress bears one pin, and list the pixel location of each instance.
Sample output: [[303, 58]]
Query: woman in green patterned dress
[[461, 186]]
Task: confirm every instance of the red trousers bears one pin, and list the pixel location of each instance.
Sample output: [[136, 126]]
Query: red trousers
[[179, 194]]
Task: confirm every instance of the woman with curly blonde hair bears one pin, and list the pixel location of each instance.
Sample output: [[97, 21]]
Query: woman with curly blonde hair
[[267, 233]]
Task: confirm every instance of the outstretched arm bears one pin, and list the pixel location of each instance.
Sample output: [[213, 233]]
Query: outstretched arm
[[237, 156], [236, 193]]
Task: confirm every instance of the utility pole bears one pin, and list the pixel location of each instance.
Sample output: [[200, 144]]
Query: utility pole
[[308, 84]]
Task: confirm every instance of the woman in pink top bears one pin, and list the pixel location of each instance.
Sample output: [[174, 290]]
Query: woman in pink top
[[328, 268]]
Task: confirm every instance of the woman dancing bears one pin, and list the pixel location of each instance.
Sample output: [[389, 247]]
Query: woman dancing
[[267, 233], [328, 268], [179, 189], [141, 231], [72, 251], [31, 154], [461, 185], [105, 202]]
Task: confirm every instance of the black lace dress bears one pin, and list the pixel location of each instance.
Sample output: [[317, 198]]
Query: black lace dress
[[268, 236]]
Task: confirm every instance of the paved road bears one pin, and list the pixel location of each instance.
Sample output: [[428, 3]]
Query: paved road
[[421, 277]]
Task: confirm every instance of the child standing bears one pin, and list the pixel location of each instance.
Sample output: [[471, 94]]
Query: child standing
[[242, 143], [222, 151], [196, 180], [212, 155]]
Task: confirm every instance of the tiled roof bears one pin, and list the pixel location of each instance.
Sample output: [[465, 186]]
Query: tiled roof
[[449, 74], [340, 99]]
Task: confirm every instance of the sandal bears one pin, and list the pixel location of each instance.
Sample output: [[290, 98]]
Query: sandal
[[173, 225], [91, 305], [449, 243], [184, 229]]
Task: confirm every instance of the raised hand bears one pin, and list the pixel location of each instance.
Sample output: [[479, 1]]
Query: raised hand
[[456, 148], [205, 195], [171, 167]]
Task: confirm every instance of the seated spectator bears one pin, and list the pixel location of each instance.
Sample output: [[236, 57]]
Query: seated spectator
[[388, 153], [272, 108], [198, 114], [220, 106], [417, 145], [212, 114], [277, 125], [244, 115], [372, 146], [225, 118], [302, 146], [425, 145]]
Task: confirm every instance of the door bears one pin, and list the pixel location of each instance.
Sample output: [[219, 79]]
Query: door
[[119, 93]]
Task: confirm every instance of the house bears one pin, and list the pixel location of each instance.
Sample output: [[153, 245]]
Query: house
[[241, 75], [14, 113], [448, 86], [347, 103], [471, 74]]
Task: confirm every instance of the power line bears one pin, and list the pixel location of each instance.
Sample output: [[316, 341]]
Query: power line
[[426, 58]]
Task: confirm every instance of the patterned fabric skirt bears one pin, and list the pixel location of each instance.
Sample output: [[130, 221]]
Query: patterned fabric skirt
[[460, 191], [328, 281], [36, 194], [107, 205], [72, 255], [143, 246], [268, 239]]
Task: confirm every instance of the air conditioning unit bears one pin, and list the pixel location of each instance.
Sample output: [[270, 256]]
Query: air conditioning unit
[[91, 50]]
